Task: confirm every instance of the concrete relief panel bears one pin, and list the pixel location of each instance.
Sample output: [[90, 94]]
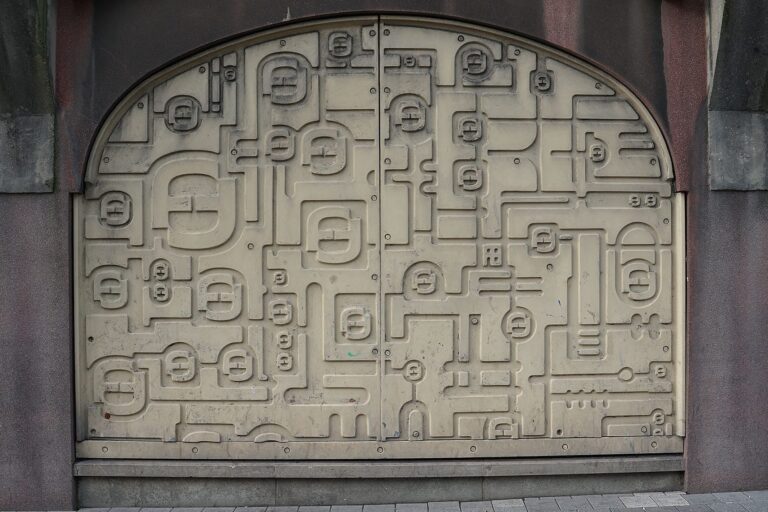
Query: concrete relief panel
[[379, 238]]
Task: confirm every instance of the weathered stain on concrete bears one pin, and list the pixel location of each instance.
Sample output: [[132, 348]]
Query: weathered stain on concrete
[[684, 35], [26, 99]]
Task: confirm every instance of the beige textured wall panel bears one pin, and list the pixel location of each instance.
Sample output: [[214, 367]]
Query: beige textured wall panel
[[373, 238]]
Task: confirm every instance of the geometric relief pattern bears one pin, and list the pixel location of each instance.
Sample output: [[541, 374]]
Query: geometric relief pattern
[[379, 230]]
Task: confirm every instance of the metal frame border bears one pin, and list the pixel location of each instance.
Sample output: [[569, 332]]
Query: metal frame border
[[373, 450]]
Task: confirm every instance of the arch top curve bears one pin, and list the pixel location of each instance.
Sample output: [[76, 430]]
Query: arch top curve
[[124, 124], [380, 230]]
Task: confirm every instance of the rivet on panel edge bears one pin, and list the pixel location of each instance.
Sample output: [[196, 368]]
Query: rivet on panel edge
[[386, 31], [201, 69], [282, 42], [372, 33], [195, 449], [286, 450], [473, 448], [654, 444], [565, 447], [374, 198], [104, 449], [380, 449], [461, 38]]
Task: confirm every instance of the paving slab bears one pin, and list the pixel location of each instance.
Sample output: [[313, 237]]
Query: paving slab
[[670, 500], [476, 506], [153, 509], [410, 507], [443, 506], [731, 497], [347, 508], [757, 495], [638, 501], [508, 503], [539, 505], [282, 509], [698, 507], [514, 505], [574, 504], [379, 508], [607, 501], [721, 506], [695, 499], [219, 509], [574, 499], [313, 508], [755, 506]]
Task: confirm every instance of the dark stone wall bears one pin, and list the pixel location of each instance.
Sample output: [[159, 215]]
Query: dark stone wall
[[36, 434], [36, 401], [657, 47], [26, 99], [727, 443]]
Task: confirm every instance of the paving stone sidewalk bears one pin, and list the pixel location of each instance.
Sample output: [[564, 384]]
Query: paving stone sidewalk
[[748, 501]]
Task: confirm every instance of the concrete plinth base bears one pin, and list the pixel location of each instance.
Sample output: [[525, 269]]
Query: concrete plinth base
[[212, 483]]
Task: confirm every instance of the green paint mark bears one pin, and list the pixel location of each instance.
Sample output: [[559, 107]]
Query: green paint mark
[[351, 354]]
